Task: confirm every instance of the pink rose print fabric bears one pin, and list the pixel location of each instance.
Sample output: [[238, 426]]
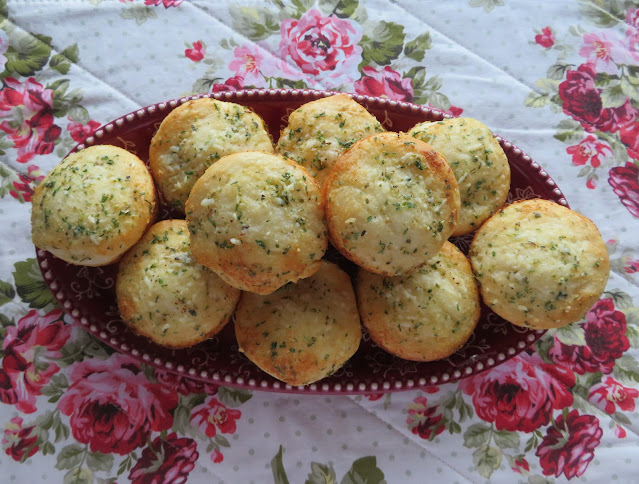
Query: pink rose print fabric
[[569, 444], [387, 83], [115, 422], [521, 394], [167, 460], [325, 48]]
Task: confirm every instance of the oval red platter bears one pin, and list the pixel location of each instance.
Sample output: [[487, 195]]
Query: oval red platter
[[87, 294]]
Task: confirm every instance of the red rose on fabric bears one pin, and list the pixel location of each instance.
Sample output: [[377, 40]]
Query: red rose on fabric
[[546, 38], [29, 347], [79, 132], [520, 394], [23, 189], [589, 150], [36, 133], [630, 137], [569, 445], [196, 53], [167, 460], [324, 47], [18, 441], [620, 432], [217, 456], [606, 341], [183, 385], [385, 83], [581, 98], [521, 464], [624, 181], [231, 84], [212, 416], [609, 394], [614, 119], [115, 421], [455, 111], [424, 420]]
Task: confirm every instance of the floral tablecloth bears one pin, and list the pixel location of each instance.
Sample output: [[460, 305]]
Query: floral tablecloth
[[559, 79]]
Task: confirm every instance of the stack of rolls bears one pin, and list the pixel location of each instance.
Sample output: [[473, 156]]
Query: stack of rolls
[[258, 218]]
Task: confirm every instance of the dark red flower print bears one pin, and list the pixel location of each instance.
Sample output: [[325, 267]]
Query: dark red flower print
[[18, 443], [614, 119], [212, 416], [610, 394], [183, 385], [569, 445], [546, 38], [385, 83], [234, 83], [32, 104], [115, 421], [629, 134], [167, 460], [29, 348], [323, 47], [520, 394], [581, 98], [605, 337], [79, 132], [589, 150], [624, 181], [195, 53], [424, 420]]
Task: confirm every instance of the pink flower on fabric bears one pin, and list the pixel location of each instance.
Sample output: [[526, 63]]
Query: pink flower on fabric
[[167, 460], [217, 456], [546, 38], [632, 267], [620, 432], [610, 394], [520, 394], [600, 50], [325, 48], [166, 3], [632, 17], [580, 96], [79, 132], [23, 189], [385, 83], [521, 464], [212, 416], [589, 150], [18, 441], [29, 347], [32, 104], [113, 406], [196, 53], [569, 445], [247, 63], [624, 181]]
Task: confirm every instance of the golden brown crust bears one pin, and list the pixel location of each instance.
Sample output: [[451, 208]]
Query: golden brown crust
[[539, 264], [302, 332], [391, 203], [164, 295], [93, 206], [318, 132], [423, 316], [194, 136], [256, 219], [478, 162]]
